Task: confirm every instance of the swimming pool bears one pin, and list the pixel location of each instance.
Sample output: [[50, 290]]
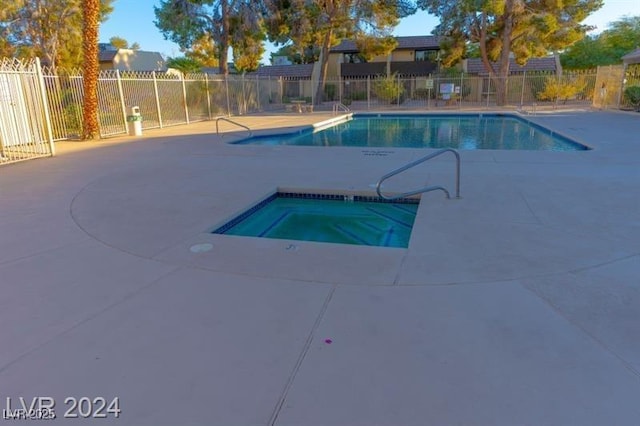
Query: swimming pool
[[459, 131], [342, 219]]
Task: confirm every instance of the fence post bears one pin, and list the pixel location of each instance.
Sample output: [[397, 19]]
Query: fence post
[[398, 88], [368, 92], [244, 97], [45, 107], [226, 82], [622, 84], [461, 90], [524, 81], [155, 90], [555, 105], [123, 107], [184, 97], [258, 91], [428, 90], [206, 88], [489, 90]]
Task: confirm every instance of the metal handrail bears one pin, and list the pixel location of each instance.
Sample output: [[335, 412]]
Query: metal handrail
[[232, 122], [426, 188], [339, 105]]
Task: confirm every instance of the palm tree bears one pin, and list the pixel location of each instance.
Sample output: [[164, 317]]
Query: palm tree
[[91, 20]]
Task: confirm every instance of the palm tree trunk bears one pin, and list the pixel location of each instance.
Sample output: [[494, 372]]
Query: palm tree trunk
[[91, 21]]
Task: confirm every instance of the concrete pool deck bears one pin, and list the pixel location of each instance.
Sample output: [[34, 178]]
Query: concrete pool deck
[[518, 304]]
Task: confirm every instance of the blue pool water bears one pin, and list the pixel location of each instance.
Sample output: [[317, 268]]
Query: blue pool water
[[465, 132], [327, 218]]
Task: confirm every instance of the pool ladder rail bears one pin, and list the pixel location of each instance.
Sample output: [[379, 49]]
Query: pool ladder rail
[[232, 122], [340, 106], [426, 188]]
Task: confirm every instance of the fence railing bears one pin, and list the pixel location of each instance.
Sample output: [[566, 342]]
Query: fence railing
[[164, 99], [37, 108], [167, 99], [453, 91], [25, 123], [630, 78]]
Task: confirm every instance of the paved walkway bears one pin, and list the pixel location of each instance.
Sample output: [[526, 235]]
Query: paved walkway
[[517, 305]]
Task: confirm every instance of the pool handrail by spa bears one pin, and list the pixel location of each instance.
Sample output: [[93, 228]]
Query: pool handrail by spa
[[426, 188]]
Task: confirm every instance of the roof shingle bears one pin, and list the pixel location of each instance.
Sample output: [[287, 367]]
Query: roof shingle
[[632, 57], [285, 71], [475, 65], [404, 43]]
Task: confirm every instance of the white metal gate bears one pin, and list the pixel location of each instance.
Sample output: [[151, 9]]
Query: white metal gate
[[25, 131]]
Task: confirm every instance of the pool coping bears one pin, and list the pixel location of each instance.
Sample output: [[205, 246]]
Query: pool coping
[[325, 124], [339, 199], [323, 194]]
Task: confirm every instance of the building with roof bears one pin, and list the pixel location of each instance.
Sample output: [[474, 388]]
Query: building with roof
[[630, 76], [631, 58], [131, 60], [413, 56]]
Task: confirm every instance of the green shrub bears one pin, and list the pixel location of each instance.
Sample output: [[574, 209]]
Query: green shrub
[[632, 94], [360, 95], [555, 89], [330, 92], [72, 117], [389, 88]]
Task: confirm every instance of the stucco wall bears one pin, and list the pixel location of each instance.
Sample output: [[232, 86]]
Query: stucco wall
[[335, 59]]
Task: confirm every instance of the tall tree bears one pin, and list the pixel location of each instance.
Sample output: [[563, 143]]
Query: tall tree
[[225, 21], [623, 35], [502, 28], [119, 42], [587, 53], [122, 43], [305, 55], [91, 26], [326, 23], [606, 48], [247, 37], [184, 64], [8, 13], [49, 29], [203, 51]]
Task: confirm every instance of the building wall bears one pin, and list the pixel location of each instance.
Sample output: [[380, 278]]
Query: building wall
[[396, 56], [335, 59], [380, 58], [402, 56], [135, 60]]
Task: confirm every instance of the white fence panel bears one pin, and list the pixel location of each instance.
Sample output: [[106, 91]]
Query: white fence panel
[[25, 131]]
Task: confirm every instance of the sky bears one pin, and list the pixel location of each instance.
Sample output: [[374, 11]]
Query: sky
[[133, 20]]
